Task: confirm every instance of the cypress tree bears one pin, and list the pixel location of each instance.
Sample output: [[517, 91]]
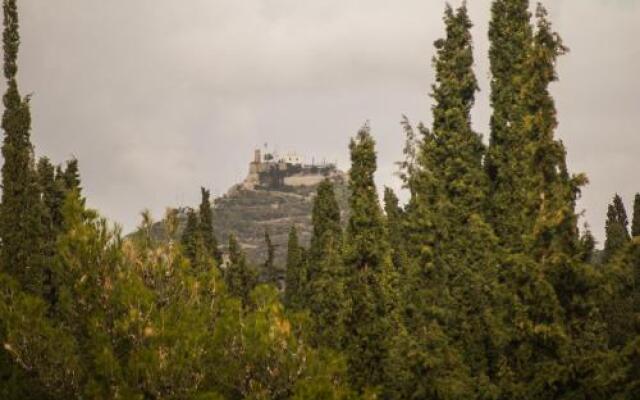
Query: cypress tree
[[408, 166], [53, 195], [510, 36], [209, 240], [462, 278], [296, 274], [395, 220], [20, 213], [325, 218], [240, 277], [325, 286], [549, 245], [459, 150], [269, 268], [587, 245], [71, 176], [555, 191], [369, 324], [621, 212], [635, 224], [191, 236], [617, 235], [21, 253]]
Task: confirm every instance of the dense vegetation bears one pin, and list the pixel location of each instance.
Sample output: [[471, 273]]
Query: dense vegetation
[[480, 287]]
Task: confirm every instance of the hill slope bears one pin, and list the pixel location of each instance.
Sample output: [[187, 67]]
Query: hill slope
[[270, 198]]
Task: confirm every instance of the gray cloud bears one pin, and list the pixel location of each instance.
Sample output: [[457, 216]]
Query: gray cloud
[[158, 97]]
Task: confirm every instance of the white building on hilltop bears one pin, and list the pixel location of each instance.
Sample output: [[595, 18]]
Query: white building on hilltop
[[292, 158]]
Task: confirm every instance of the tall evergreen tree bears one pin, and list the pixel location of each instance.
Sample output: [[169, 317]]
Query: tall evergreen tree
[[296, 273], [395, 222], [459, 150], [53, 195], [191, 236], [510, 36], [71, 175], [555, 191], [271, 273], [20, 213], [635, 224], [462, 276], [325, 218], [370, 322], [239, 276], [209, 239], [587, 245], [407, 167], [616, 228], [550, 244], [325, 285], [621, 212]]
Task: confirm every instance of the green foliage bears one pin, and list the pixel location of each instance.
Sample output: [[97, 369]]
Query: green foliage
[[239, 276], [21, 211], [134, 321], [635, 226], [192, 236], [325, 288], [395, 230], [587, 246], [296, 273], [616, 229], [271, 271], [480, 287], [510, 36], [325, 218], [209, 240], [370, 282], [71, 176]]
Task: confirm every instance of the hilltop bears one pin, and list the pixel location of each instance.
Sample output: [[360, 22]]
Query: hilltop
[[276, 194]]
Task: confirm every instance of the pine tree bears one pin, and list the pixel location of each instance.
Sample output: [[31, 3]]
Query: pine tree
[[239, 276], [635, 225], [369, 324], [617, 235], [510, 35], [296, 274], [209, 240]]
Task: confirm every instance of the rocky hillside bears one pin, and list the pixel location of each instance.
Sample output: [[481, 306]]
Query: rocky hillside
[[248, 212]]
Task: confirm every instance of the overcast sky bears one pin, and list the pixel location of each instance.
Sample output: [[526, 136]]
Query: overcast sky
[[158, 97]]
